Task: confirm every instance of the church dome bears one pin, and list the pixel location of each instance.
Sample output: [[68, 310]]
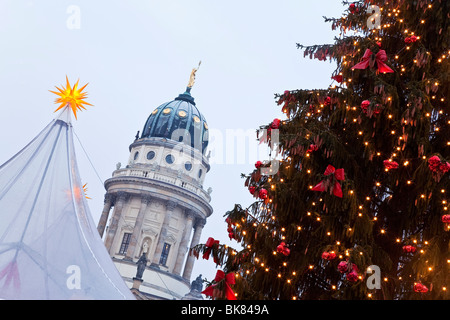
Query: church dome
[[179, 120]]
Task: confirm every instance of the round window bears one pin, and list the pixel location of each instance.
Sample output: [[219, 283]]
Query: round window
[[136, 155], [151, 155], [170, 159], [188, 166]]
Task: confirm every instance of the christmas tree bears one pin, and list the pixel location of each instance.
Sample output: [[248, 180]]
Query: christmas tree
[[357, 207]]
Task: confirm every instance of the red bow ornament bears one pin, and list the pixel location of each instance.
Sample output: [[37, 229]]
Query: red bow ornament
[[332, 183], [11, 275], [209, 245], [411, 39], [328, 255], [281, 248], [343, 267], [228, 280], [389, 164], [262, 194], [275, 124], [418, 287], [445, 218], [438, 167], [369, 59], [409, 249], [312, 148]]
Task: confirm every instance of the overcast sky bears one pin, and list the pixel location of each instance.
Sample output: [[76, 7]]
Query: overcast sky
[[138, 54]]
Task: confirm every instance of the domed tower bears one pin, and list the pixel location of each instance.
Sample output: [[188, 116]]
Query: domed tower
[[160, 205]]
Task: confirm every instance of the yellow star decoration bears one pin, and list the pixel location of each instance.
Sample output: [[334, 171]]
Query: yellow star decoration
[[78, 192], [71, 96], [85, 190]]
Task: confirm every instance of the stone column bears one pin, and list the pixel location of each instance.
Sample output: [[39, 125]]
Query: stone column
[[108, 203], [131, 251], [184, 242], [195, 240], [170, 206], [120, 201]]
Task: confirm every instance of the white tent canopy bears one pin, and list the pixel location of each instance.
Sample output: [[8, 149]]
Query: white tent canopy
[[49, 245]]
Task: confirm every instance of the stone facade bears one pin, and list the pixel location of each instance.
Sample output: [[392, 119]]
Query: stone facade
[[156, 205]]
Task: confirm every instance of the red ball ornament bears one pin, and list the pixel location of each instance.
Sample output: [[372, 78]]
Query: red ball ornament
[[446, 218], [258, 164], [252, 189], [262, 193]]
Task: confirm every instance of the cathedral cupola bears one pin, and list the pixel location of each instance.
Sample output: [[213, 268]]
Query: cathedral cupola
[[160, 205]]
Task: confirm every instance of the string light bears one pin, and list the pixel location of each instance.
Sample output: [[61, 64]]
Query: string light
[[398, 154]]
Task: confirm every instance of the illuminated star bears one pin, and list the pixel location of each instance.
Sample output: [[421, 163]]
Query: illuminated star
[[85, 190], [77, 192], [71, 96]]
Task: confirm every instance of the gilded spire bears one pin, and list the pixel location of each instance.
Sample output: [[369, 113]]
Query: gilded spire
[[192, 77]]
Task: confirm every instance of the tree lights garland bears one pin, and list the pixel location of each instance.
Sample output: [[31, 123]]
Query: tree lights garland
[[411, 37], [356, 117]]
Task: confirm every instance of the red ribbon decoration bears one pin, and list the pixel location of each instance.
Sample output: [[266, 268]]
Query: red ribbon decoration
[[209, 244], [336, 188], [370, 58], [11, 275], [229, 280]]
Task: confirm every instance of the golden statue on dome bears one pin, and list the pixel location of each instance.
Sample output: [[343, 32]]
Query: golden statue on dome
[[192, 77]]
